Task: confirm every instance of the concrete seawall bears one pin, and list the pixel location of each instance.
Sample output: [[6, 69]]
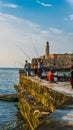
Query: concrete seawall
[[37, 99]]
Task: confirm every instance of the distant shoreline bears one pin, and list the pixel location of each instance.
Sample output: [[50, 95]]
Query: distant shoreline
[[10, 68]]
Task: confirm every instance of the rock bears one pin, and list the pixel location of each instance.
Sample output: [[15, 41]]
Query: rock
[[9, 97]]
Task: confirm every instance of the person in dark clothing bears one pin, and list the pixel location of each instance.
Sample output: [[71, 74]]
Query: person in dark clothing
[[40, 66], [71, 77], [27, 68]]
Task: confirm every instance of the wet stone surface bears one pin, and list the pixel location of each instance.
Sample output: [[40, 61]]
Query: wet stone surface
[[54, 125], [60, 119]]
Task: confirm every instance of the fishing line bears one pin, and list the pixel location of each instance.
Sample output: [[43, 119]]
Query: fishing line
[[36, 51], [23, 52]]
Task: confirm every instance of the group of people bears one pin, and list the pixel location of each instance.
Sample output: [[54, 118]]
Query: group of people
[[37, 68], [50, 76]]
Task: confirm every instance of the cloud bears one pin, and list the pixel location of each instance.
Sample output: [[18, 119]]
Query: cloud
[[55, 30], [8, 5], [18, 37], [43, 4], [71, 17], [65, 19], [16, 33], [70, 1]]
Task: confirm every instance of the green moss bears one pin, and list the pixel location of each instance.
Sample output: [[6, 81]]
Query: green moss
[[48, 98], [28, 113]]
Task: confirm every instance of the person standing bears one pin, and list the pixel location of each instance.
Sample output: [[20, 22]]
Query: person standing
[[35, 68], [27, 68], [40, 67], [71, 77]]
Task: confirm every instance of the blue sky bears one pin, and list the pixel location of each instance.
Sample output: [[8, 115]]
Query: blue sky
[[26, 25]]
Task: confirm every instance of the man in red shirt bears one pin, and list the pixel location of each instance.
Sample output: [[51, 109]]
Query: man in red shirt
[[50, 76]]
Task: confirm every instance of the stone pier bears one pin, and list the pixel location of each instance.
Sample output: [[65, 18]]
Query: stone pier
[[37, 98]]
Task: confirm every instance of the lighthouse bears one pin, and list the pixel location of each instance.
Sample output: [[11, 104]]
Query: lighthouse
[[47, 50]]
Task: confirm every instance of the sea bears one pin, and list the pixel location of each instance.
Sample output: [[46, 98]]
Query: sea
[[8, 110]]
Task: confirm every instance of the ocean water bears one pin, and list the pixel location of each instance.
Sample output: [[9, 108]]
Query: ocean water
[[8, 77]]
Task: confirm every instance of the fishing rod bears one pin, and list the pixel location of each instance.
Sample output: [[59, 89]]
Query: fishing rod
[[36, 51], [23, 52]]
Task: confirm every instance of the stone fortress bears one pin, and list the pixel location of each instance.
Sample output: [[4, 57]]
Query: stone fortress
[[55, 60]]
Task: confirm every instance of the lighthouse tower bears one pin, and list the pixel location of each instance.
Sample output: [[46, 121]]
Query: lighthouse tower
[[47, 50]]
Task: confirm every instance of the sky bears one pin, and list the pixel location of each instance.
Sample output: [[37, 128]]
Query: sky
[[26, 26]]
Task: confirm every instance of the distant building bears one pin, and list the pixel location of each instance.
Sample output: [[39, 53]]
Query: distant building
[[47, 50], [55, 60]]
